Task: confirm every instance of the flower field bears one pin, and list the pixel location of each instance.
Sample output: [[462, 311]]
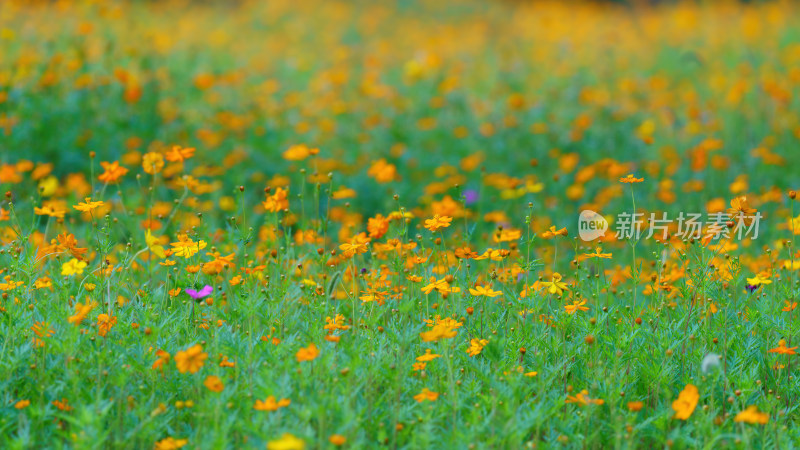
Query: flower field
[[403, 224]]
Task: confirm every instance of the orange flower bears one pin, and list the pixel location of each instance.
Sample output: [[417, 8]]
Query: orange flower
[[337, 440], [482, 290], [752, 415], [163, 358], [270, 404], [553, 233], [299, 152], [87, 205], [307, 353], [686, 402], [179, 154], [426, 394], [428, 356], [113, 172], [191, 359], [439, 331], [741, 210], [277, 201], [635, 406], [377, 226], [81, 311], [357, 245], [104, 324], [170, 443], [630, 179], [438, 222], [782, 349], [22, 404], [382, 171], [476, 346], [582, 399], [575, 307], [213, 383]]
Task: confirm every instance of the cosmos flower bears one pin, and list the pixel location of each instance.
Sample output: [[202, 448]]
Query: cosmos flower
[[73, 267], [170, 443], [630, 179], [686, 402], [179, 154], [88, 205], [783, 349], [426, 395], [476, 346], [271, 404], [113, 172], [213, 383], [752, 415], [555, 285], [191, 359], [582, 399], [287, 441], [307, 353], [201, 294], [553, 232], [438, 222]]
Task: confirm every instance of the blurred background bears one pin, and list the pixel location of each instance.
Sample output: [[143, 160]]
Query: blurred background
[[533, 89]]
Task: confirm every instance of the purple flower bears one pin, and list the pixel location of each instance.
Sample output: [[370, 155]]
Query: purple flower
[[470, 196], [751, 287], [198, 295]]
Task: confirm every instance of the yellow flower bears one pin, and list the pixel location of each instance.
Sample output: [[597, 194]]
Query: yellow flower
[[9, 285], [758, 280], [686, 402], [186, 247], [555, 286], [50, 210], [43, 282], [153, 244], [286, 442], [73, 267], [152, 163], [439, 331], [88, 205], [48, 186], [476, 346], [481, 290]]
